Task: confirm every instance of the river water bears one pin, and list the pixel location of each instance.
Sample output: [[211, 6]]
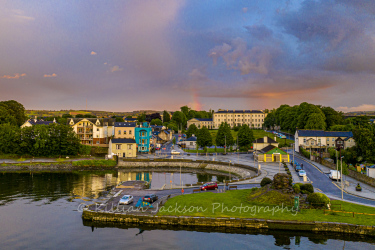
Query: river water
[[39, 211]]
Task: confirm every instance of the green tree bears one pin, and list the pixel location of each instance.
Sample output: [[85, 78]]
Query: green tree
[[332, 116], [174, 140], [316, 121], [245, 136], [185, 109], [192, 130], [141, 117], [224, 134], [365, 141], [172, 125], [16, 110], [10, 139], [166, 116], [157, 122], [204, 138], [179, 118]]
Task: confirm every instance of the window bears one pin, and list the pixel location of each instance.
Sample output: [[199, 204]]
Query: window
[[97, 129], [97, 136], [304, 140], [143, 141], [97, 142], [129, 146], [124, 132], [140, 141], [130, 132], [118, 146]]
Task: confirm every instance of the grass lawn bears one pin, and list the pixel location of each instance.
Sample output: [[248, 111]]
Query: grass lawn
[[97, 163], [258, 133], [237, 203]]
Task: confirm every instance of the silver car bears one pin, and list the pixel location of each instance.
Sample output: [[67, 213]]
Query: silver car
[[125, 200]]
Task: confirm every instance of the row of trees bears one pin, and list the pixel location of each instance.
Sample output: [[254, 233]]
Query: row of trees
[[303, 116], [223, 137]]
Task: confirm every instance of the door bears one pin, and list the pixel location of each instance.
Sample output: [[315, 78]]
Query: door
[[123, 155]]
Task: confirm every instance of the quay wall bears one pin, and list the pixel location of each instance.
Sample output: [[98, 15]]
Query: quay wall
[[240, 223]]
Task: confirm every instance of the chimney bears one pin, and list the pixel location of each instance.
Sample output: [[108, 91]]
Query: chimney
[[265, 140]]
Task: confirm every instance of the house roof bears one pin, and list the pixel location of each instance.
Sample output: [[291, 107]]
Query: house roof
[[32, 122], [321, 133], [347, 138], [261, 140], [130, 119], [123, 141], [270, 148], [125, 124], [204, 119], [239, 111], [193, 138], [110, 121]]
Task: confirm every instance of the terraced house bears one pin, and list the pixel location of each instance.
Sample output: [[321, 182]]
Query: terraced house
[[201, 122], [253, 118], [93, 131], [143, 135]]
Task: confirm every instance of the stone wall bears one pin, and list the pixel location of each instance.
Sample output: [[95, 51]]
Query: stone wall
[[224, 167], [247, 223]]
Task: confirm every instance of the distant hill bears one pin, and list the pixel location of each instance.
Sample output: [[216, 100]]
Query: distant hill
[[359, 113]]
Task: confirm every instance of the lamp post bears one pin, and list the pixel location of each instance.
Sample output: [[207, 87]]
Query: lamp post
[[229, 171], [225, 146], [342, 189]]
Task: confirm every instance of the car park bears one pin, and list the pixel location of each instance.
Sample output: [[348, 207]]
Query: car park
[[209, 186], [150, 198], [302, 173], [126, 200]]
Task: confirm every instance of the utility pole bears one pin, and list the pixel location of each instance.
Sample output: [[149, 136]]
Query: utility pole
[[225, 147], [342, 189]]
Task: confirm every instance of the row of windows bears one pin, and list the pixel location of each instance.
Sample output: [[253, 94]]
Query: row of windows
[[118, 146], [246, 120], [239, 115], [119, 132]]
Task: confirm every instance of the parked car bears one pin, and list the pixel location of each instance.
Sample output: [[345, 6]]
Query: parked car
[[209, 186], [175, 152], [150, 198], [335, 175], [125, 200], [298, 168], [302, 173], [157, 148]]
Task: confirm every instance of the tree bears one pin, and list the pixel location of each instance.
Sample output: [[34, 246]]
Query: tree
[[365, 142], [141, 117], [316, 121], [179, 118], [185, 109], [174, 140], [16, 110], [223, 135], [245, 136], [204, 138], [129, 117], [166, 116], [332, 116], [192, 130], [172, 125], [157, 122]]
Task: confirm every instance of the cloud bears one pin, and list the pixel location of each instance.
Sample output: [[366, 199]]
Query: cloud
[[363, 107], [115, 68], [15, 15], [53, 75], [93, 53], [16, 76]]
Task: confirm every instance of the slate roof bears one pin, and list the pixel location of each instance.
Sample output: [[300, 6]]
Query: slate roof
[[32, 122], [125, 124], [193, 138], [321, 133], [110, 121], [267, 149], [261, 140], [240, 111], [123, 140], [130, 119], [204, 119]]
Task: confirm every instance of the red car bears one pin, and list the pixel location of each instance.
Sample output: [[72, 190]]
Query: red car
[[209, 186]]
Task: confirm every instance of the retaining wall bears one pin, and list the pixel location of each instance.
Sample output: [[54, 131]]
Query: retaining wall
[[314, 226]]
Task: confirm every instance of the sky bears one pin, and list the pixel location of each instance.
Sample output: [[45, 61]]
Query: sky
[[163, 54]]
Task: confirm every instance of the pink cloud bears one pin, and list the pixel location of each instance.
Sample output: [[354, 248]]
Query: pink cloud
[[53, 75], [16, 76]]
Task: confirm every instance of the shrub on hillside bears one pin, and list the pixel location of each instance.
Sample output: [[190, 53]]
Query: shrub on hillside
[[265, 181], [307, 188], [296, 188], [318, 200]]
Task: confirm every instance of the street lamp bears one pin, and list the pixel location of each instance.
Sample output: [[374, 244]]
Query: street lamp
[[342, 189]]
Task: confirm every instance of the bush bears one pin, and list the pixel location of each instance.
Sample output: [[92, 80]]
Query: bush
[[265, 181], [296, 188], [307, 188], [318, 200], [84, 149]]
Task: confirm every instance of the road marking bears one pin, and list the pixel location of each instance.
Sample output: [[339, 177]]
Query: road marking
[[361, 197]]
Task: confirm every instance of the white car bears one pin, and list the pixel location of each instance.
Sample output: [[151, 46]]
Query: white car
[[302, 173], [175, 152], [335, 175], [125, 200]]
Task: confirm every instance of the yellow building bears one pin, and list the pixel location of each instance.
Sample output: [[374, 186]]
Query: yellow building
[[125, 130], [261, 143], [124, 148], [253, 118]]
